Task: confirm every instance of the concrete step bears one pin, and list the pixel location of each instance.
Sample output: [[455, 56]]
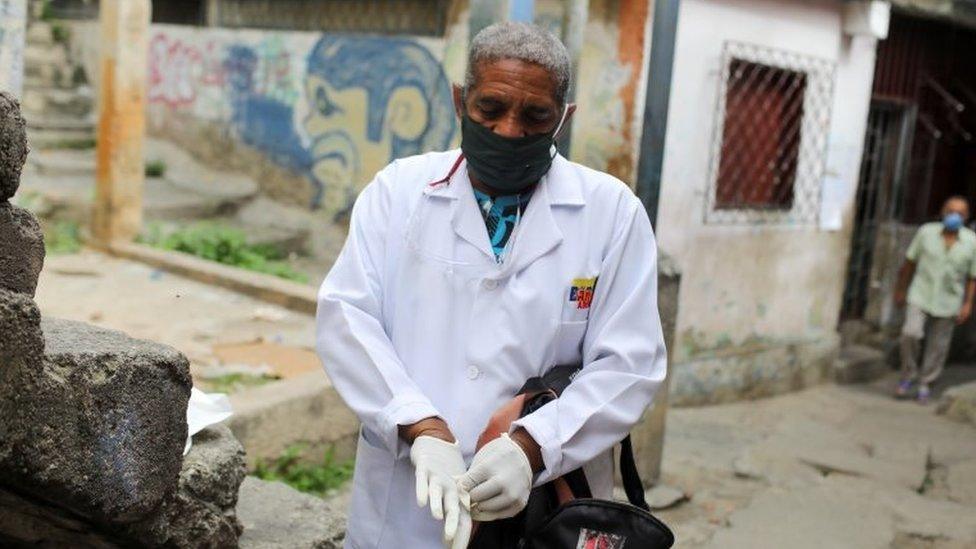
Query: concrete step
[[183, 170], [67, 123], [859, 364], [53, 101], [39, 34], [70, 198], [35, 54], [289, 241], [299, 520], [41, 139], [959, 403], [34, 81], [63, 162]]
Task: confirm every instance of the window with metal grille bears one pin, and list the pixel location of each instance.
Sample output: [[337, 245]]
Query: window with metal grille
[[760, 137], [770, 139]]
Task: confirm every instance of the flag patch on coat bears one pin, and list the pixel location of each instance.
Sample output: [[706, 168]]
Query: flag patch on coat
[[593, 539], [581, 292]]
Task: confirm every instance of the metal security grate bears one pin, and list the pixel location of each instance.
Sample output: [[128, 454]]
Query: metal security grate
[[414, 17], [769, 147]]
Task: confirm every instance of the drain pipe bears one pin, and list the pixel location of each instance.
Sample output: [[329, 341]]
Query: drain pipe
[[663, 32]]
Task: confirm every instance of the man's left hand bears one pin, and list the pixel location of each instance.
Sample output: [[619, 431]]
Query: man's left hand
[[499, 480], [964, 313]]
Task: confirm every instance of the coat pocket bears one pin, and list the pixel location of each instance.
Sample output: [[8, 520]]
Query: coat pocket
[[569, 342]]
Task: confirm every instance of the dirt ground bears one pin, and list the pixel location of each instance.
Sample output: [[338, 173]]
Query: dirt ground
[[200, 320]]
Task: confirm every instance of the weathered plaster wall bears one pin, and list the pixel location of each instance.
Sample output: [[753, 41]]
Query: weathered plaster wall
[[13, 21], [609, 93], [756, 301]]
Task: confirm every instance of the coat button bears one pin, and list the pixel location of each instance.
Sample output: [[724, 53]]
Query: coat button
[[489, 283], [473, 372]]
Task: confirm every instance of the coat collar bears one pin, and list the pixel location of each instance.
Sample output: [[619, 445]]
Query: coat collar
[[538, 232], [562, 182]]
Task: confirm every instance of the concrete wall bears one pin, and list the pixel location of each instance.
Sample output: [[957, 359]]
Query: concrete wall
[[759, 303], [610, 86], [13, 21]]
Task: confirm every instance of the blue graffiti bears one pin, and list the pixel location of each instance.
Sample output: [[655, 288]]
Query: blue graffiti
[[380, 67], [262, 122]]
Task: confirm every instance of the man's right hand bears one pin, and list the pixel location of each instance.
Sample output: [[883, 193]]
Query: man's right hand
[[437, 464]]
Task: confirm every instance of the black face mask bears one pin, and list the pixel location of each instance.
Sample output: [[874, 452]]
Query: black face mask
[[507, 164]]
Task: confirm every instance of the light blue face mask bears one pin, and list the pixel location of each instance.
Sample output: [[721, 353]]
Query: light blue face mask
[[952, 221]]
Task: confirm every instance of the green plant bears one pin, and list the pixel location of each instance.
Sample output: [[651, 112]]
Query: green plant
[[47, 11], [317, 478], [231, 383], [224, 245], [155, 168], [77, 143], [60, 33], [62, 237]]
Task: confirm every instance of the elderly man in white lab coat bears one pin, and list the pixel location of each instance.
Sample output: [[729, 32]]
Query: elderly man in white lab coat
[[467, 272]]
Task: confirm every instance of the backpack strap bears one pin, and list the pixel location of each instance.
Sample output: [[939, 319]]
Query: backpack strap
[[631, 478]]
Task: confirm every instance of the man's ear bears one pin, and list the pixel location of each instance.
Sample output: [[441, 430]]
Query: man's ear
[[406, 113], [457, 93]]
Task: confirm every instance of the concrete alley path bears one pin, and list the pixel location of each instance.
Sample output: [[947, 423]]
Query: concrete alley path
[[831, 466], [152, 304]]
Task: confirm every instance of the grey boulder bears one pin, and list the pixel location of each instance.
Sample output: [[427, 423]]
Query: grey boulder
[[276, 516], [21, 249], [13, 145], [98, 426], [202, 512]]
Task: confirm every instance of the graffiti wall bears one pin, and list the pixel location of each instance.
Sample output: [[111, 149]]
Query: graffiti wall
[[13, 18], [333, 108]]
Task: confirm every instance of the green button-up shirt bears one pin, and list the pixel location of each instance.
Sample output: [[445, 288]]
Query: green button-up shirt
[[940, 273]]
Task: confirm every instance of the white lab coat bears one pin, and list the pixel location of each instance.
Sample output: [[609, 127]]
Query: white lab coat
[[417, 319]]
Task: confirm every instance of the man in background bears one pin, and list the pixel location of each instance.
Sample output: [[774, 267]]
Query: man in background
[[937, 282]]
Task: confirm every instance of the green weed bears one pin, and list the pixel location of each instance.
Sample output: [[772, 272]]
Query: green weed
[[62, 237], [78, 144], [231, 383], [317, 478], [224, 245], [60, 33], [155, 168]]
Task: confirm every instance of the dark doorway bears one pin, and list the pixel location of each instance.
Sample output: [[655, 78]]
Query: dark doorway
[[919, 149]]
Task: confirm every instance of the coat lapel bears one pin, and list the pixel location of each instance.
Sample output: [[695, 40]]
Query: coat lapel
[[537, 233]]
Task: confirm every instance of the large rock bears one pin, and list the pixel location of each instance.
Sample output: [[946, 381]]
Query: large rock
[[21, 342], [276, 516], [202, 512], [13, 145], [959, 403], [98, 426], [21, 249]]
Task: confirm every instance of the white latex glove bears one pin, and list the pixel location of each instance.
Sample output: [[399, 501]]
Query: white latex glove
[[499, 480], [437, 464]]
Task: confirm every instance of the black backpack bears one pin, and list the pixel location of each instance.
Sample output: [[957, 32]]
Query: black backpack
[[549, 521]]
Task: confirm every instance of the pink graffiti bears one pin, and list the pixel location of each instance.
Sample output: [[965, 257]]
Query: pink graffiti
[[177, 70]]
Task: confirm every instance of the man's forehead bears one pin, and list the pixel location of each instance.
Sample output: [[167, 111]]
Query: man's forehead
[[507, 76]]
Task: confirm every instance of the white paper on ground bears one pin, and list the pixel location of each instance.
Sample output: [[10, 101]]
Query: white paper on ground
[[204, 410]]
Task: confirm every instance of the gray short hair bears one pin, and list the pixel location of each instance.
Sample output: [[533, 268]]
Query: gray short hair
[[524, 42]]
